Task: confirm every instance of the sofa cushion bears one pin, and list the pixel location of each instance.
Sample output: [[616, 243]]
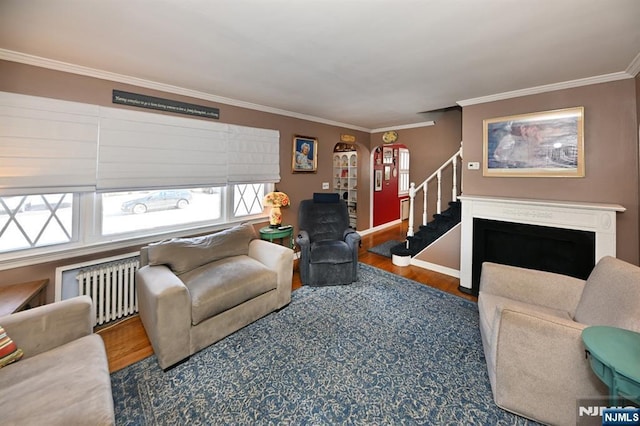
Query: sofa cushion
[[331, 252], [67, 385], [9, 351], [226, 283], [611, 295], [185, 254]]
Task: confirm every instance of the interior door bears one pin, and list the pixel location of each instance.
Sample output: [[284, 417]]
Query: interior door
[[386, 200]]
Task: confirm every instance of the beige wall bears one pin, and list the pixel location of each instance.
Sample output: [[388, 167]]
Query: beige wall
[[611, 153], [429, 148]]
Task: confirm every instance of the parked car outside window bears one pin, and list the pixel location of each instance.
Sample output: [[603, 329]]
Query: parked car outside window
[[158, 200]]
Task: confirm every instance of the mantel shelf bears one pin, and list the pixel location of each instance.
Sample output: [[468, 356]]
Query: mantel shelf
[[546, 203]]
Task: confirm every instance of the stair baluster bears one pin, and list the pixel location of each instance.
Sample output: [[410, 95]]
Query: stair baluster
[[413, 190]]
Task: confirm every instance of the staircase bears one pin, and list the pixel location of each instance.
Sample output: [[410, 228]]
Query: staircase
[[442, 222], [427, 234]]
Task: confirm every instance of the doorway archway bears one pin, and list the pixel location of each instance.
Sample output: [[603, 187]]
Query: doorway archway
[[390, 182]]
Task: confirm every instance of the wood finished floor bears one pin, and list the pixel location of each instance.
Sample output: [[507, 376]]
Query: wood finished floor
[[127, 342]]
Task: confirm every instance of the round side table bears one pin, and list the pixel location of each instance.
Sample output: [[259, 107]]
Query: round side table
[[614, 355], [285, 231]]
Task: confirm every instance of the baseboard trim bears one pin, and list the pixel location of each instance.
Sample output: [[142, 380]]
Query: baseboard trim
[[436, 268], [380, 227]]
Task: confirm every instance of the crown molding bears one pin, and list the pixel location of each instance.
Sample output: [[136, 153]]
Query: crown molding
[[405, 126], [52, 64], [548, 88], [634, 67], [12, 56]]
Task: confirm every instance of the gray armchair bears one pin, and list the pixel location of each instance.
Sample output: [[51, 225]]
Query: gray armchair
[[328, 247], [531, 323]]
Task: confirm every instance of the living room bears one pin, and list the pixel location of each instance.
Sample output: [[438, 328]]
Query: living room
[[610, 100]]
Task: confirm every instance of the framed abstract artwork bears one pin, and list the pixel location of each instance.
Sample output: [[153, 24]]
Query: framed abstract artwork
[[541, 144]]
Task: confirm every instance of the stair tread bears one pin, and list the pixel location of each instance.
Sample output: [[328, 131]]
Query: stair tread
[[427, 234]]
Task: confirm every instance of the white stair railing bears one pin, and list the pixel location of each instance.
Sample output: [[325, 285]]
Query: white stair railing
[[413, 190]]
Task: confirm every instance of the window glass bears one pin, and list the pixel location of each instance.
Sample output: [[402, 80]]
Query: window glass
[[36, 221], [29, 221], [247, 199], [124, 212], [403, 179]]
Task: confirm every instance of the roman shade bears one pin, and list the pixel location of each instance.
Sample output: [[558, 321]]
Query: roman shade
[[139, 150], [49, 146], [46, 145], [253, 155]]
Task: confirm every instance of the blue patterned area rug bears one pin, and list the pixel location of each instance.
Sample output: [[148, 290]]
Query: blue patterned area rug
[[382, 351]]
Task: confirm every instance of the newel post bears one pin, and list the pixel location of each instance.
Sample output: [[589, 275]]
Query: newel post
[[412, 196]]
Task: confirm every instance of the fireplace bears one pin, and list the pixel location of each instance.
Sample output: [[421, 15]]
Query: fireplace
[[563, 237], [565, 251]]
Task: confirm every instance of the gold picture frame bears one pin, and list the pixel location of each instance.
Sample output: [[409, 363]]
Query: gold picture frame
[[540, 144], [304, 157]]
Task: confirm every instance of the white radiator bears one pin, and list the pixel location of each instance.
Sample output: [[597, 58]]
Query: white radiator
[[110, 283], [112, 287]]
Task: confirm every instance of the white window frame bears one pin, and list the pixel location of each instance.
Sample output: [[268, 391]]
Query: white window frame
[[14, 220], [403, 171], [268, 187], [88, 238], [96, 235]]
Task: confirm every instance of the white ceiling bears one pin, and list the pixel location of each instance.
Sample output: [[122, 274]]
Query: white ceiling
[[371, 64]]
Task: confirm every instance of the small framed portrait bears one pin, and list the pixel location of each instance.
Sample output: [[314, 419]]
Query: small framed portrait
[[304, 156]]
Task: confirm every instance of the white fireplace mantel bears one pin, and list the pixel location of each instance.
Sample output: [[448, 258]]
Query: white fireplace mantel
[[593, 217]]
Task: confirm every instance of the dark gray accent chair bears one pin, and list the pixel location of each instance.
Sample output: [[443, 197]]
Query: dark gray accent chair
[[328, 246]]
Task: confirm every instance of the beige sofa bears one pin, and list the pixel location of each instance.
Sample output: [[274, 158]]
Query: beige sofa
[[192, 292], [63, 377], [531, 324]]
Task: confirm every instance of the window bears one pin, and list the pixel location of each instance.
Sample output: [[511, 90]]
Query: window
[[52, 222], [133, 211], [29, 221], [104, 177], [247, 199], [403, 172]]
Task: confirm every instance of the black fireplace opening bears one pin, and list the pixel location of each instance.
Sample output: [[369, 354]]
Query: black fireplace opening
[[565, 251]]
